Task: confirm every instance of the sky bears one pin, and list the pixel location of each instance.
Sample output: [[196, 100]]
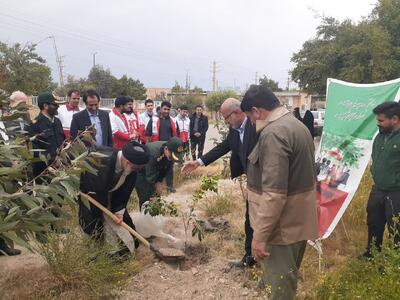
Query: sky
[[160, 41]]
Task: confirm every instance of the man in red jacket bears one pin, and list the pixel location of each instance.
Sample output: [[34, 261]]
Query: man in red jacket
[[119, 123]]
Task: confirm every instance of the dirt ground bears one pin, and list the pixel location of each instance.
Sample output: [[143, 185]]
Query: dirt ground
[[204, 275]]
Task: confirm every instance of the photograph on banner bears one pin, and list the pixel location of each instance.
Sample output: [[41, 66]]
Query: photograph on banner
[[346, 144]]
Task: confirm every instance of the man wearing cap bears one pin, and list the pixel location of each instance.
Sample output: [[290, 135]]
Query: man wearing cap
[[162, 156], [47, 130], [112, 186]]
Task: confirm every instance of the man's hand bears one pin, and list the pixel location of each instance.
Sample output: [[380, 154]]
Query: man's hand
[[197, 134], [190, 166], [133, 136], [259, 250], [120, 218]]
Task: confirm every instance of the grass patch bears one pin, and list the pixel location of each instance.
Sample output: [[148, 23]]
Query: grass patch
[[218, 205], [83, 267], [360, 279]]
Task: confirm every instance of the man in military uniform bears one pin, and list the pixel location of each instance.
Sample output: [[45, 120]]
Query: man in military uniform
[[47, 130], [162, 156]]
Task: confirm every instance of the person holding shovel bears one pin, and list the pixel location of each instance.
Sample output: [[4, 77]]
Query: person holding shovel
[[162, 156], [112, 187]]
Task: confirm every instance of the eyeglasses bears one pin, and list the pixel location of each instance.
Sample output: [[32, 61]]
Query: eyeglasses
[[75, 98], [228, 116]]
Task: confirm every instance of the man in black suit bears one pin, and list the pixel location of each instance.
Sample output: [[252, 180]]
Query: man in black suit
[[112, 186], [240, 141], [92, 115], [198, 129]]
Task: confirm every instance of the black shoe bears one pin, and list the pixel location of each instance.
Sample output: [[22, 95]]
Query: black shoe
[[171, 190], [367, 255], [246, 262], [9, 251]]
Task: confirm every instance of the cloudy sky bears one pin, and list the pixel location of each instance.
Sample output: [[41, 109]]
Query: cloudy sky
[[159, 41]]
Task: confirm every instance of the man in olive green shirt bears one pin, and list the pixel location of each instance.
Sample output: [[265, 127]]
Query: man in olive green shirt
[[162, 156], [384, 201]]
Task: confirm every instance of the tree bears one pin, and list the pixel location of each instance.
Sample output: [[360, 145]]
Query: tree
[[21, 68], [80, 84], [362, 52], [128, 86], [190, 100], [177, 88], [215, 100], [28, 208], [269, 83], [102, 80]]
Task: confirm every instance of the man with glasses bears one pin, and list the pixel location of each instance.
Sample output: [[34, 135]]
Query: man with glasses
[[240, 141], [67, 111]]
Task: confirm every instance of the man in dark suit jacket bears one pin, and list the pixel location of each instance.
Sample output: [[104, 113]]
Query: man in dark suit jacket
[[240, 141], [112, 186], [198, 129], [92, 115]]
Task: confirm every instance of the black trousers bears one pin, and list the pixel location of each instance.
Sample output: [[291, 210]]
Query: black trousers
[[197, 142], [383, 208], [248, 232]]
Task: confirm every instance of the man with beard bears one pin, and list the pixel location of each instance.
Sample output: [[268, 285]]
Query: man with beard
[[112, 187], [133, 119], [384, 201], [119, 123], [47, 130]]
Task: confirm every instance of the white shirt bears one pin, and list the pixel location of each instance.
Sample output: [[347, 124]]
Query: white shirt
[[241, 136], [65, 116], [117, 124]]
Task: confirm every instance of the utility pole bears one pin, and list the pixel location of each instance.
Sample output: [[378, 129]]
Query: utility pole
[[288, 83], [214, 76], [187, 84], [59, 60], [94, 59]]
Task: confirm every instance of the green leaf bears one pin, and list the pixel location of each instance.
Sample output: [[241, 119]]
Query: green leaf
[[16, 239], [8, 226]]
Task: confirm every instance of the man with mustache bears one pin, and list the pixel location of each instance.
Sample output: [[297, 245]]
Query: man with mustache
[[384, 200]]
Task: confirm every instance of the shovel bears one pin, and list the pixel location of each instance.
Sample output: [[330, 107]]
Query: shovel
[[166, 254]]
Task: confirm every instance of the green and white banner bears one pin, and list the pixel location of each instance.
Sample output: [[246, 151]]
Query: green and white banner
[[346, 144]]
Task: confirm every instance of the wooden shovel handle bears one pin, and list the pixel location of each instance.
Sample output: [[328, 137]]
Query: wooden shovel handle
[[115, 219]]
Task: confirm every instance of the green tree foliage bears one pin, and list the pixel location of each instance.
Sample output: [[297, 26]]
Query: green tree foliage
[[80, 84], [103, 80], [215, 100], [21, 68], [363, 52], [269, 83], [177, 88], [27, 208], [128, 86], [190, 100]]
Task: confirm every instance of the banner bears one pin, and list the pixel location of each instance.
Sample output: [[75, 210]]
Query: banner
[[346, 144]]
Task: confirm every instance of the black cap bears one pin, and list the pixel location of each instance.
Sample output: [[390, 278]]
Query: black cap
[[136, 153], [175, 145]]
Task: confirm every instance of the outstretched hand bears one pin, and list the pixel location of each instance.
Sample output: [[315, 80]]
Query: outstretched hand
[[189, 167]]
